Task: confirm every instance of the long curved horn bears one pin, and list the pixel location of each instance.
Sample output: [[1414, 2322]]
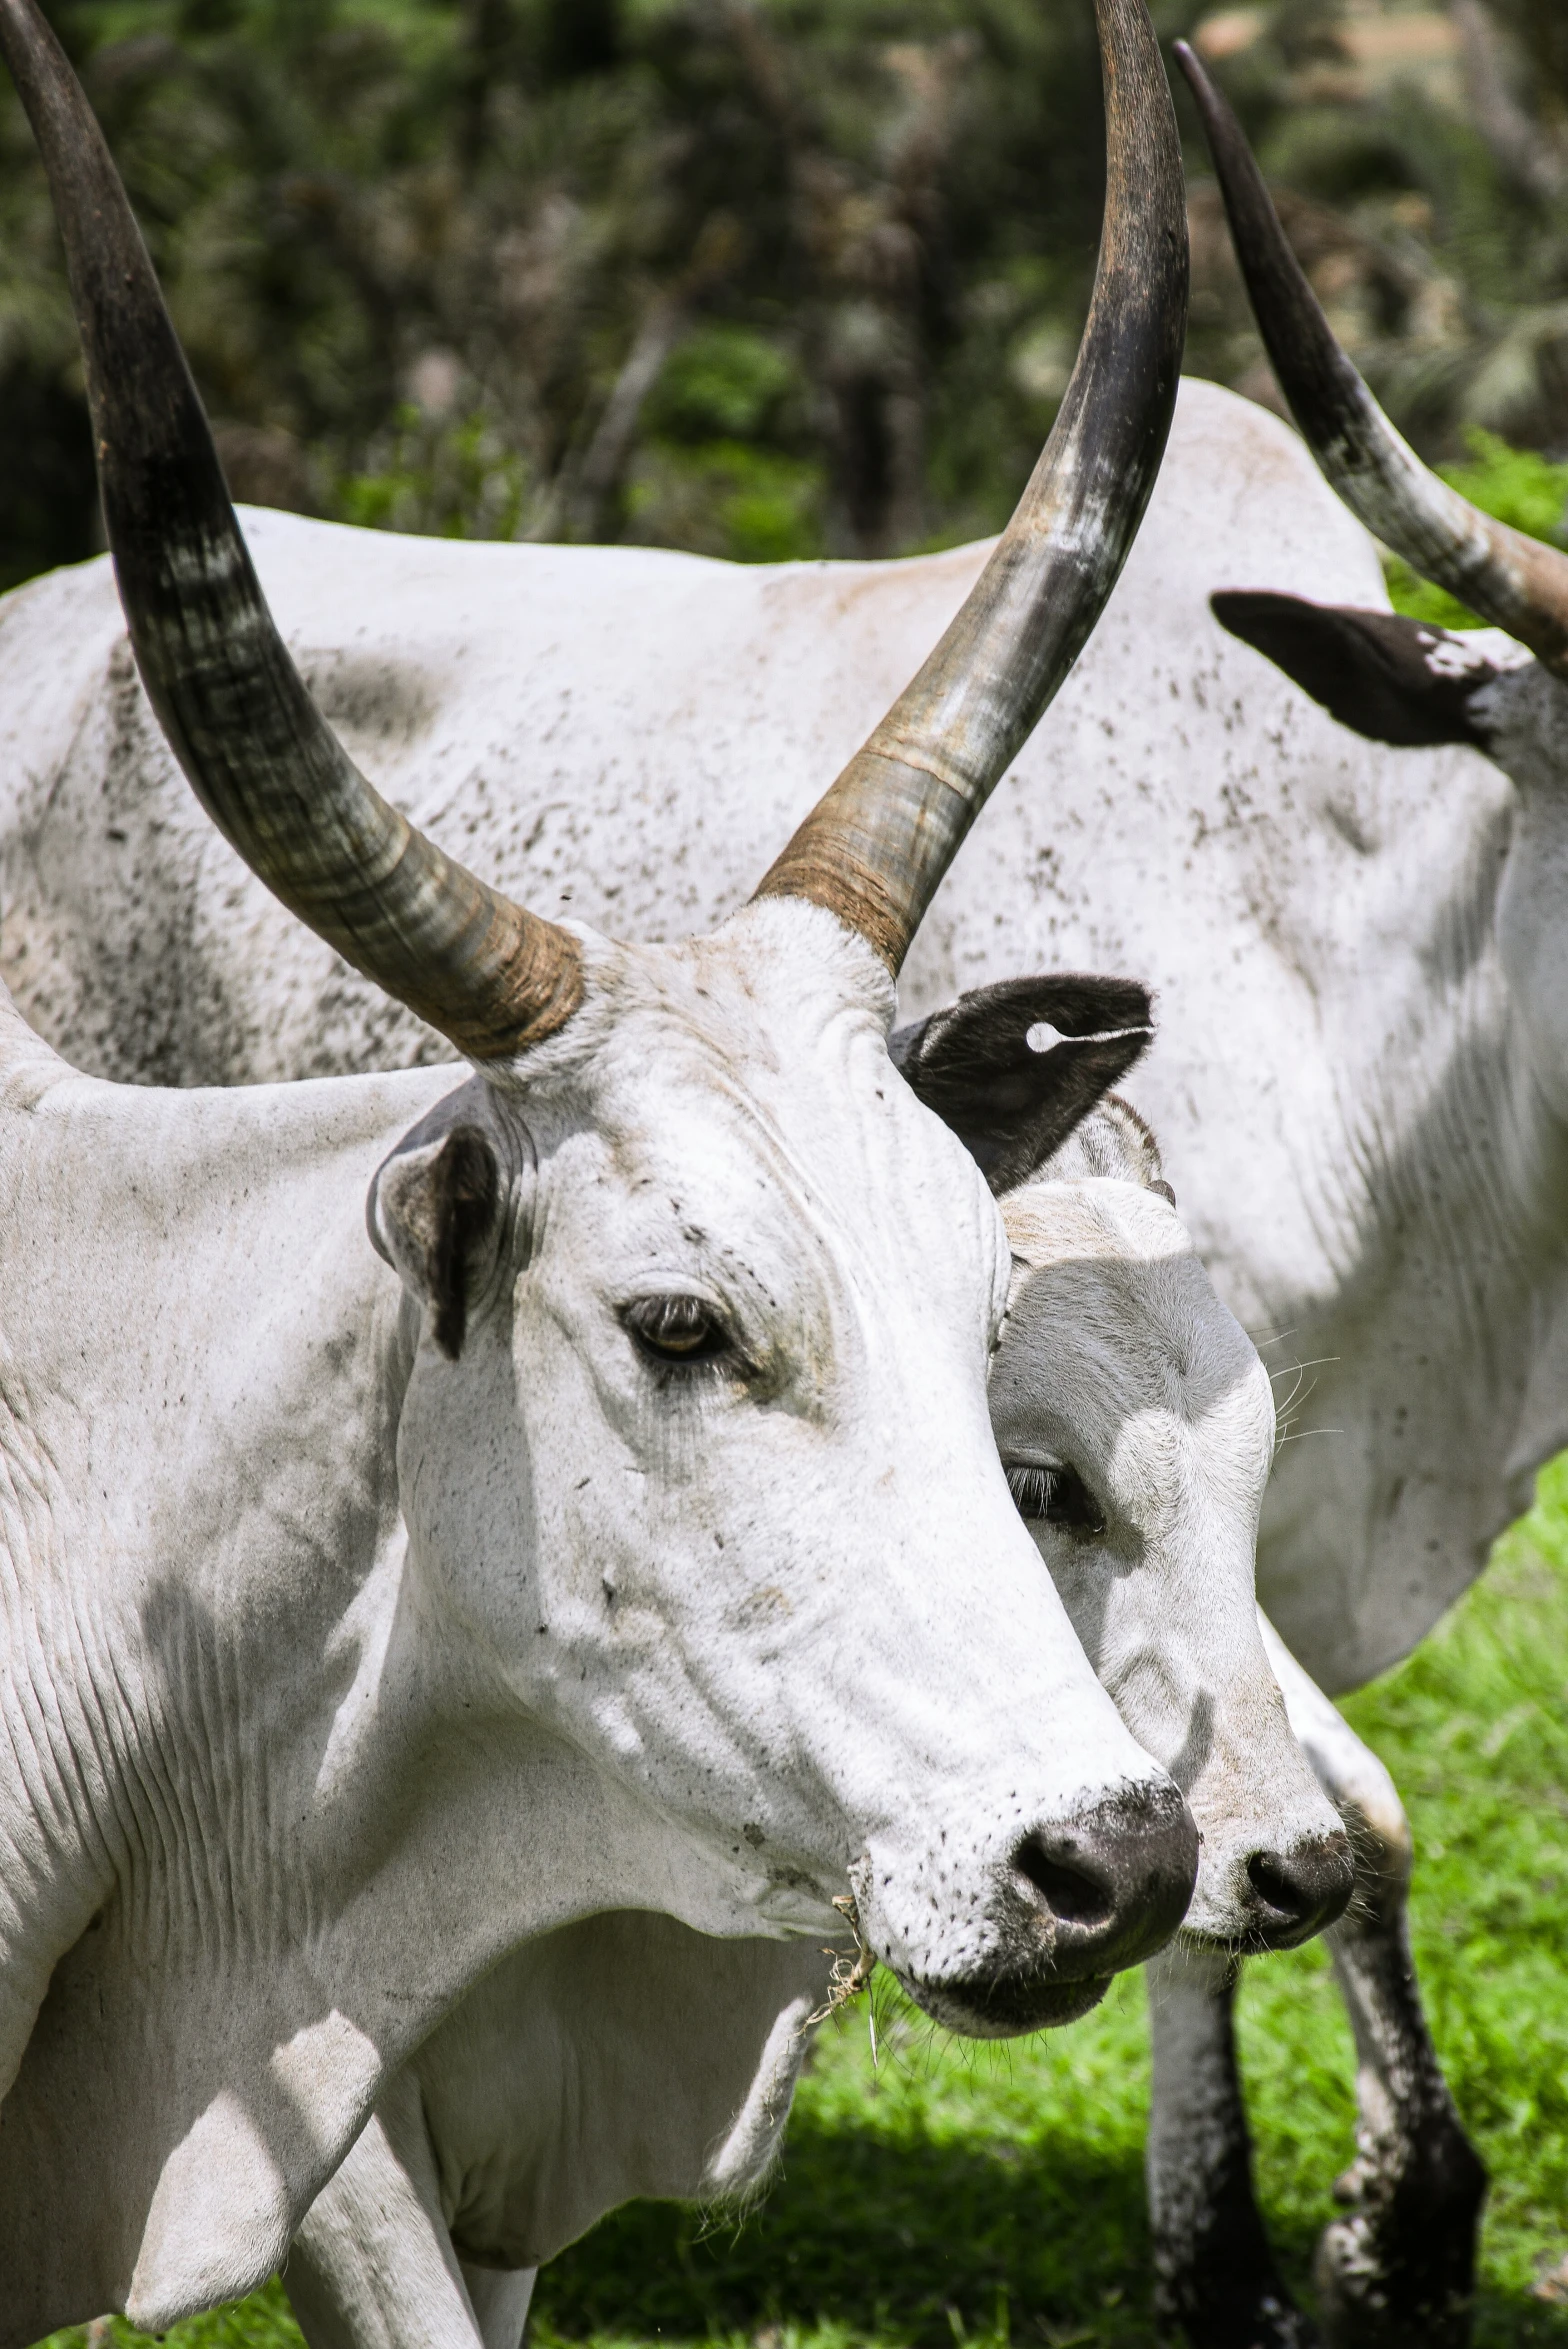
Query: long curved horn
[[877, 845], [1513, 581], [259, 755]]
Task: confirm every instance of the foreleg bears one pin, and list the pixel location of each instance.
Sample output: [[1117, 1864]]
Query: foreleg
[[500, 2298], [373, 2267], [1399, 2267], [1214, 2272]]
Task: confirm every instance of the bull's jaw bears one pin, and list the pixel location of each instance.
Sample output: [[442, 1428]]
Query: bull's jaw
[[780, 1594], [1120, 1363]]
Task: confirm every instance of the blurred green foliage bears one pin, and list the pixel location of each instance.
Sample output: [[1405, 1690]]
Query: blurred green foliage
[[726, 462], [461, 481], [695, 270], [724, 382], [1518, 486], [1419, 151], [762, 277]]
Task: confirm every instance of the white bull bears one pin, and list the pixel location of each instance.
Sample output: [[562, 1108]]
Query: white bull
[[644, 1538], [627, 2055], [336, 1666], [1342, 1035]]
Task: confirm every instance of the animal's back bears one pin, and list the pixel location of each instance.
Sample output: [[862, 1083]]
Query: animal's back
[[623, 735]]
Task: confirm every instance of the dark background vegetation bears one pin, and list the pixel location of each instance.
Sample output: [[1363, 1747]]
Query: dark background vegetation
[[765, 278]]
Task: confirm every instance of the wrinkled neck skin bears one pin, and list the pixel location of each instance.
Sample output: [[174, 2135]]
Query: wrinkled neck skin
[[1119, 1362], [330, 1736], [225, 1695]]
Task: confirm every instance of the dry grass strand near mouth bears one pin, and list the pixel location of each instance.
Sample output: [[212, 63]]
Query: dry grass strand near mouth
[[850, 1976]]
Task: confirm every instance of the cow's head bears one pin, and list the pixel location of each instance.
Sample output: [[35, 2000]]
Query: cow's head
[[1398, 680], [695, 1453], [717, 1295], [1136, 1425]]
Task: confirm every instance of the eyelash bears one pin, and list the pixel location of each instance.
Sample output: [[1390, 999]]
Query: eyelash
[[660, 1326], [1055, 1496]]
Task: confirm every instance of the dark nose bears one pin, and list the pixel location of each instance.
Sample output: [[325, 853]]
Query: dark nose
[[1078, 1899], [1295, 1894], [1110, 1887]]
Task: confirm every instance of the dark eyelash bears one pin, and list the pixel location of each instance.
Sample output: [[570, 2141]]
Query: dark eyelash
[[678, 1331], [1056, 1496]]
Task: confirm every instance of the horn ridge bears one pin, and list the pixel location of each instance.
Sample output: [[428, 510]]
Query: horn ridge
[[260, 757], [876, 847], [1513, 581]]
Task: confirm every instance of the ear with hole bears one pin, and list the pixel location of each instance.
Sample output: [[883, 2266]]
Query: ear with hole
[[1393, 680], [436, 1208], [1010, 1101], [1116, 1142]]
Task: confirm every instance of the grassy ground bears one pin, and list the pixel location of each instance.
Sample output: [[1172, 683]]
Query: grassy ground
[[960, 2196]]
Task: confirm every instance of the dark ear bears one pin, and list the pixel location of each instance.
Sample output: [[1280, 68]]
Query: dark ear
[[434, 1211], [1394, 680], [1010, 1105]]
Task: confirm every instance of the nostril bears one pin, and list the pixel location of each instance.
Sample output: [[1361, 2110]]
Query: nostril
[[1072, 1895], [1271, 1881], [1303, 1891]]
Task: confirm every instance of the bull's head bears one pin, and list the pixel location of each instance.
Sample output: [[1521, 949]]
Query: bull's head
[[1402, 681], [1136, 1424], [695, 1455]]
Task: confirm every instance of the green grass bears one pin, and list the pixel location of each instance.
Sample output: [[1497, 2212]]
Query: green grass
[[974, 2195]]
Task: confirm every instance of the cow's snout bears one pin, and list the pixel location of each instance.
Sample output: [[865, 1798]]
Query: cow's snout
[[1292, 1895], [1079, 1898], [1111, 1885]]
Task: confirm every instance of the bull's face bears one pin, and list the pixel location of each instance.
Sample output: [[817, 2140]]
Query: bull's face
[[696, 1451], [1137, 1426]]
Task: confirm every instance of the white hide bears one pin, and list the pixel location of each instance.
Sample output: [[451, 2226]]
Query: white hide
[[333, 1668], [624, 2056], [628, 2056], [1120, 1363], [1350, 1079]]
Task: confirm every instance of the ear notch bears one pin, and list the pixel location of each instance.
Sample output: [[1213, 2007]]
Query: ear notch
[[433, 1214], [1115, 1141], [1009, 1104], [1390, 679]]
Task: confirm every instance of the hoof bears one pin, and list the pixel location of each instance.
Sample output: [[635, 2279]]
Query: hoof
[[1399, 2271], [1367, 2303], [1219, 2312]]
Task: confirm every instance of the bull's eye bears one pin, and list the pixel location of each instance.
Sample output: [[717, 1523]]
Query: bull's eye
[[1058, 1496], [677, 1328]]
